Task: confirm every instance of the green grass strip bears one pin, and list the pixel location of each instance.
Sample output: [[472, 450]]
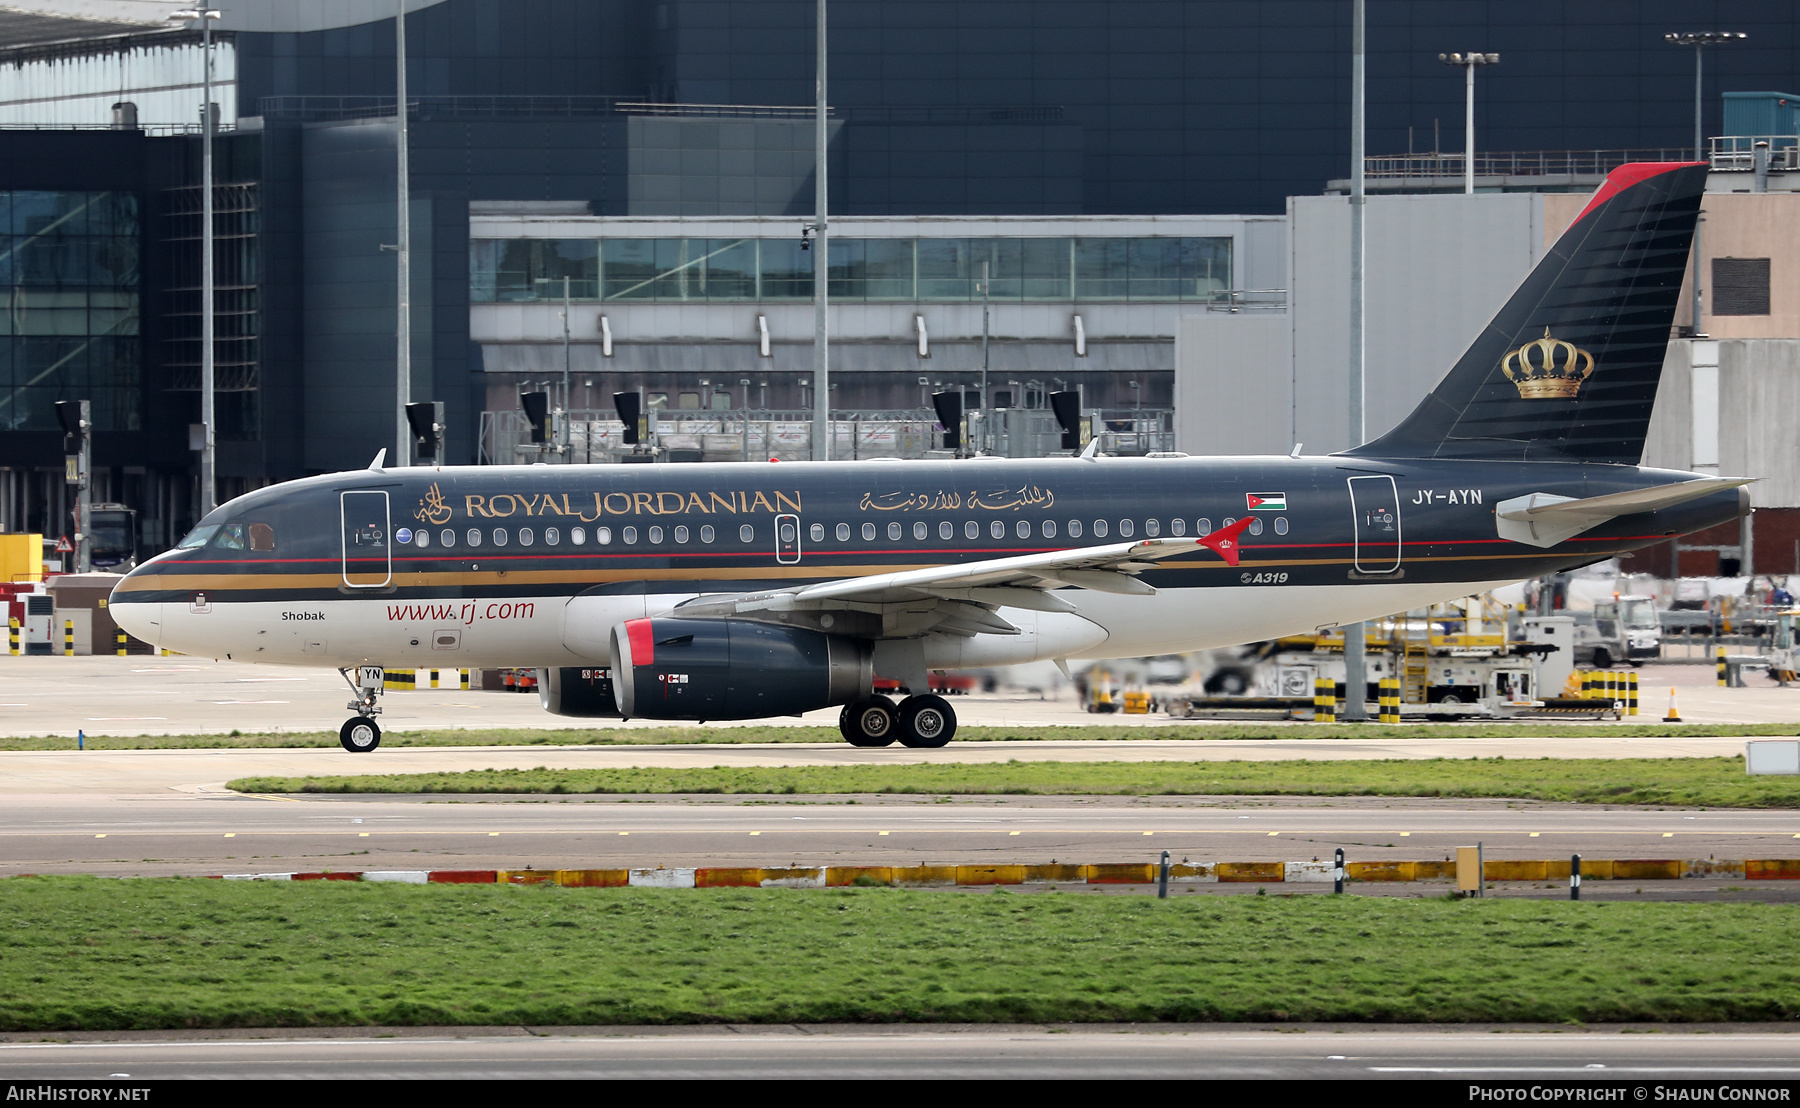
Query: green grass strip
[[1686, 782], [100, 954], [807, 733]]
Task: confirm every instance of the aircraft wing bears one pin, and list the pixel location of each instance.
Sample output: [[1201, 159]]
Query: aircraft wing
[[1544, 519], [966, 594]]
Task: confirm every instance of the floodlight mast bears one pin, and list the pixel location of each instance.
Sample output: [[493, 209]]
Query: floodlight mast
[[209, 486], [1699, 40], [1469, 62]]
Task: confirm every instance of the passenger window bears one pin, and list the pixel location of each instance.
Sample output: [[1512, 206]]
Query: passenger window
[[843, 529], [552, 536], [1074, 528], [817, 530], [421, 536], [1049, 528], [499, 536], [525, 537], [1203, 527], [474, 533], [746, 533], [602, 535], [656, 535], [230, 537], [920, 531], [628, 535], [1152, 528], [971, 530], [681, 534], [1099, 528], [446, 536], [262, 537], [1228, 522], [946, 530], [1022, 528], [1281, 525], [997, 529], [893, 532], [706, 533], [578, 535], [1178, 527], [868, 528], [1126, 528], [1256, 526]]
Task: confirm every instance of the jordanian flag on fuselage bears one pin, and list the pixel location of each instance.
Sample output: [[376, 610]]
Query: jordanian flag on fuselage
[[1266, 501]]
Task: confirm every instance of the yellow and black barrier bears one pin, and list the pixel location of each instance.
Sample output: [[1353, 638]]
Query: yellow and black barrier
[[1617, 685], [1324, 700], [68, 638], [407, 680], [12, 635], [119, 640], [1388, 700], [1724, 676]]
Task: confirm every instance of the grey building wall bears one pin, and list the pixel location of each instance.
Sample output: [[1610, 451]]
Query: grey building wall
[[724, 166], [1234, 391], [1437, 269], [348, 287], [1759, 392]]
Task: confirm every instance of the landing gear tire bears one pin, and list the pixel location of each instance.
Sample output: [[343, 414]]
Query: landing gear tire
[[359, 735], [926, 721], [868, 722]]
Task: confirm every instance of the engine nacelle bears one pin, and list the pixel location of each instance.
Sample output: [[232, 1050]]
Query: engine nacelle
[[733, 669], [585, 691]]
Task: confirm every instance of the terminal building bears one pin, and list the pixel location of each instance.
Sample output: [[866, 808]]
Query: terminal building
[[1138, 201]]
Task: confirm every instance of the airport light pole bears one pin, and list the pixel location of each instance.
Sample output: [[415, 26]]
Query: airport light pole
[[1469, 62], [402, 250], [209, 484], [1699, 40], [1355, 667], [821, 266]]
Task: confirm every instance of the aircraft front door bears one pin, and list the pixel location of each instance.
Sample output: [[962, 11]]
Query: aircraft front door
[[368, 540], [1375, 506], [787, 540]]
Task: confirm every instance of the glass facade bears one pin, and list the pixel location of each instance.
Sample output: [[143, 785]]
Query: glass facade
[[897, 269], [69, 274]]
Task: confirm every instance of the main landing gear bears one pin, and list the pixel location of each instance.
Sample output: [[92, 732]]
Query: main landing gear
[[919, 721], [360, 733]]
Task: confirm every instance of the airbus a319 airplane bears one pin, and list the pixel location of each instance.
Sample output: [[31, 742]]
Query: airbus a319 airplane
[[737, 591]]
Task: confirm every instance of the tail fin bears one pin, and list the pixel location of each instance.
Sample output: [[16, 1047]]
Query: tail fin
[[1568, 369]]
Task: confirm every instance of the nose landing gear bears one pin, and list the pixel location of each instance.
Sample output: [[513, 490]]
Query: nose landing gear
[[360, 733]]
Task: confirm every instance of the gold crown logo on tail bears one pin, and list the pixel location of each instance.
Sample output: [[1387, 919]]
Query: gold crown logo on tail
[[1548, 369]]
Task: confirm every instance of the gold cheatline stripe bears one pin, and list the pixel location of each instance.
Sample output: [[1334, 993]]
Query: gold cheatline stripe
[[214, 582], [177, 582]]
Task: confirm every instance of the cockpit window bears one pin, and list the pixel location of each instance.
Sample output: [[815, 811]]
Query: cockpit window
[[230, 537], [262, 537], [198, 537]]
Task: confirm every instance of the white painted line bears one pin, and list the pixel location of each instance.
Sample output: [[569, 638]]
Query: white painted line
[[398, 876]]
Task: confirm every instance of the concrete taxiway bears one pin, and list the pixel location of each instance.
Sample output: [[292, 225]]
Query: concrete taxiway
[[213, 833], [141, 695], [1742, 1057]]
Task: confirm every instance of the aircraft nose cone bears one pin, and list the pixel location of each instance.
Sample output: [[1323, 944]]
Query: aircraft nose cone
[[140, 618]]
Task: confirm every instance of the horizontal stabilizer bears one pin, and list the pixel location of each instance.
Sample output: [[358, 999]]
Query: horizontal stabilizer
[[1544, 519]]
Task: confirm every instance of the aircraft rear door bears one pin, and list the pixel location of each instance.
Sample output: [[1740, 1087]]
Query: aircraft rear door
[[368, 540], [1375, 507]]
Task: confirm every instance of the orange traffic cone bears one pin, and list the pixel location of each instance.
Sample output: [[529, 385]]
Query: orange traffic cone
[[1674, 715]]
